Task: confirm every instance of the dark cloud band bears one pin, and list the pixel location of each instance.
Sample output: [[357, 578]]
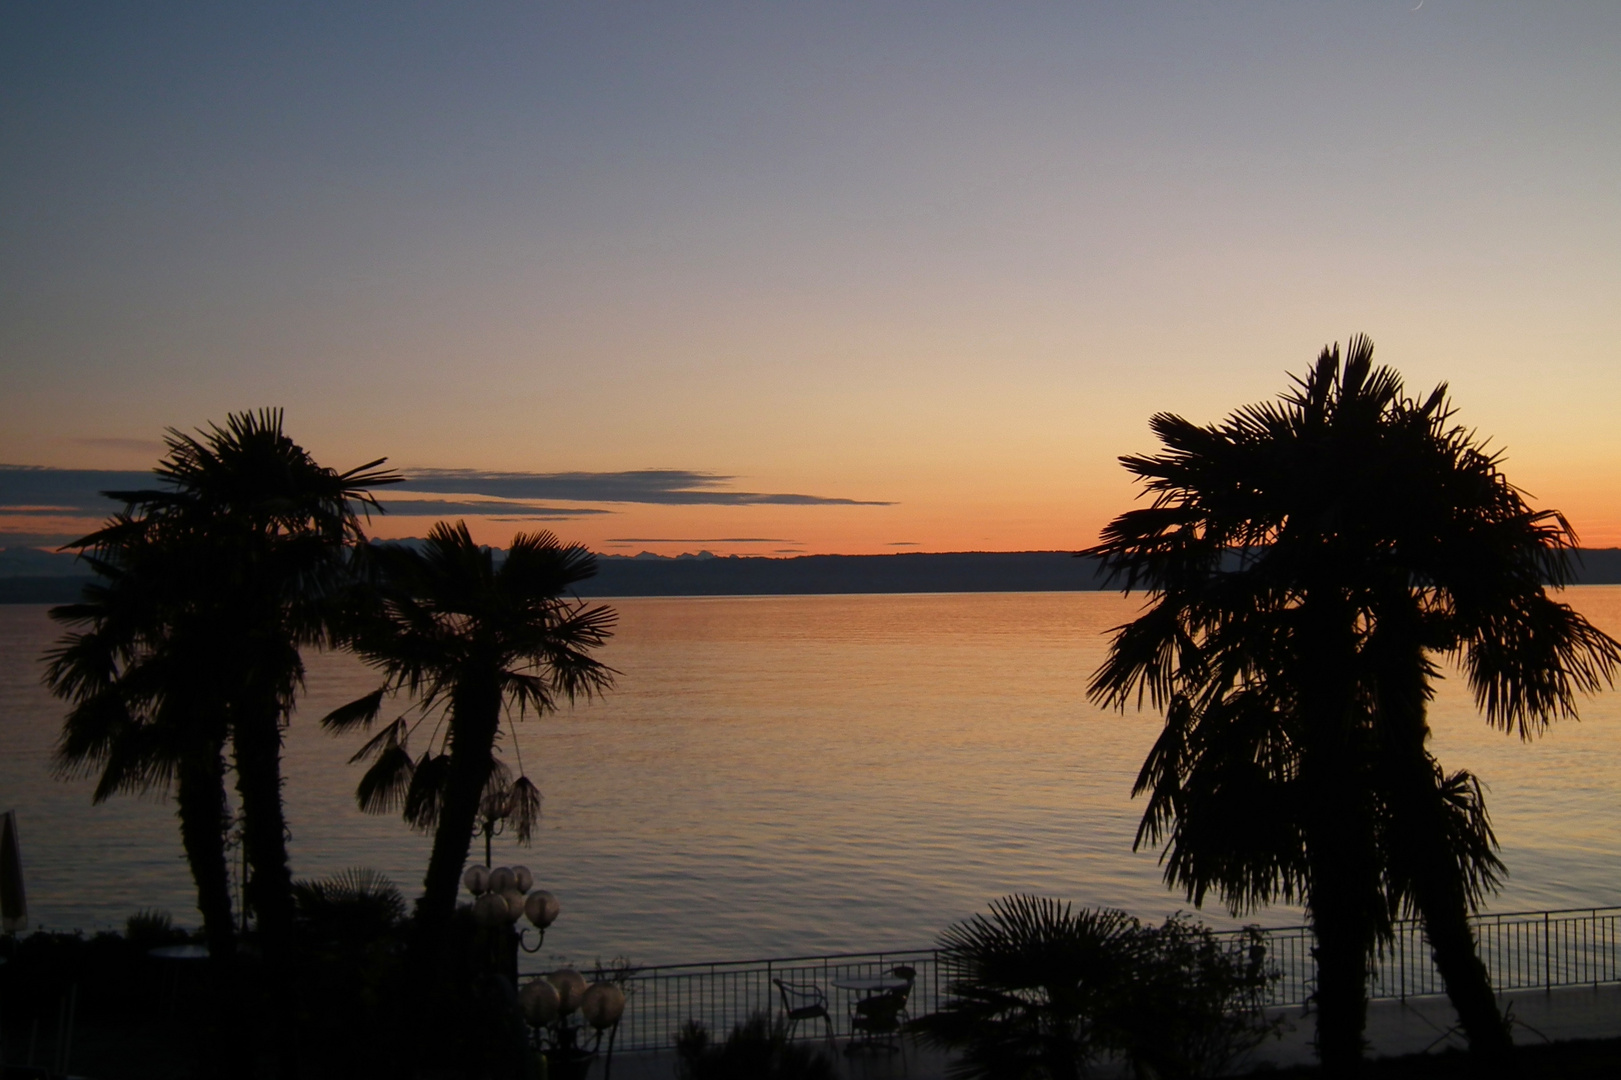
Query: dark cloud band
[[678, 487], [74, 494], [76, 491]]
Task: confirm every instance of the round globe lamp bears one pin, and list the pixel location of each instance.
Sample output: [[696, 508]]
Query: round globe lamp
[[540, 1003], [541, 908], [602, 1005], [570, 986]]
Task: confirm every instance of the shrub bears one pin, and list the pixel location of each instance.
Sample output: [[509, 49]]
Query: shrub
[[756, 1049], [150, 928], [1041, 990]]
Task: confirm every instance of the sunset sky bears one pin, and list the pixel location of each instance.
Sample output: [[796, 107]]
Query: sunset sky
[[777, 278]]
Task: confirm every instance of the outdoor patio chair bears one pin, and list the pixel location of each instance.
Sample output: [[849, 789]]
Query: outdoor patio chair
[[803, 1001], [909, 973], [875, 1021]]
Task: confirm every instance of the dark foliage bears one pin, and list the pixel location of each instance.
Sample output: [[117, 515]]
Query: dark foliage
[[1308, 560], [211, 583], [472, 641], [1044, 992], [756, 1049], [351, 1008]]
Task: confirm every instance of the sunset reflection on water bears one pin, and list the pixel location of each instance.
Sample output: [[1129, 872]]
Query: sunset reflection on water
[[781, 775]]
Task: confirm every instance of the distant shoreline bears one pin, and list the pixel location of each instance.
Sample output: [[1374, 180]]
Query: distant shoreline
[[809, 575]]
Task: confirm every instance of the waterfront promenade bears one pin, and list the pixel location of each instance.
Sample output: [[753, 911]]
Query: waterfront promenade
[[1558, 974], [1395, 1028]]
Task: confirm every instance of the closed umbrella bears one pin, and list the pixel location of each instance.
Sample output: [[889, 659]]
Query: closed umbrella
[[13, 901]]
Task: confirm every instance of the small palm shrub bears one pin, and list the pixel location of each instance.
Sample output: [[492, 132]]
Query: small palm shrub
[[150, 928], [1043, 992], [358, 904], [756, 1049]]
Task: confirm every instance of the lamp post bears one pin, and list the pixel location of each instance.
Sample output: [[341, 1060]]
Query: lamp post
[[550, 1004], [502, 897]]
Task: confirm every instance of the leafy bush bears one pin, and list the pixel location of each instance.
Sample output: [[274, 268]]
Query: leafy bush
[[150, 928], [756, 1049], [1042, 991], [359, 904]]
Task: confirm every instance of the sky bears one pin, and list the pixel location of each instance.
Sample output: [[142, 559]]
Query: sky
[[782, 278]]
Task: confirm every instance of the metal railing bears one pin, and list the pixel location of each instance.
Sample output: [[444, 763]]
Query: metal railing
[[663, 998], [1522, 951]]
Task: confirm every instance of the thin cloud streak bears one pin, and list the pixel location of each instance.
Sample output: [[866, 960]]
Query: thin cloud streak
[[473, 508], [699, 540], [137, 446]]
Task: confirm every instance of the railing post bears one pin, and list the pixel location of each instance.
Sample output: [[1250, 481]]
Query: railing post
[[1547, 971], [1401, 959]]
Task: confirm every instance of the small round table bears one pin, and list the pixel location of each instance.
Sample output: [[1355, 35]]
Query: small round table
[[871, 984], [184, 953]]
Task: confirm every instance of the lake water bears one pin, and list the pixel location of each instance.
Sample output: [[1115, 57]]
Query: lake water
[[783, 775]]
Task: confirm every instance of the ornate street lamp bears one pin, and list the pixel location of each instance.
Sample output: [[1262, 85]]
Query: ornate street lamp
[[550, 1005], [505, 895], [501, 897]]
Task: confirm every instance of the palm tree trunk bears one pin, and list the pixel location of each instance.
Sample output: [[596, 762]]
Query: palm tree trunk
[[200, 796], [269, 892], [1446, 923], [1344, 898], [1419, 841], [1438, 892], [257, 738], [475, 716], [1345, 931], [200, 799]]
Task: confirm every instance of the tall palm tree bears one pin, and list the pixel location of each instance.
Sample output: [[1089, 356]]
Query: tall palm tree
[[469, 638], [269, 532], [221, 573], [145, 704], [1307, 558]]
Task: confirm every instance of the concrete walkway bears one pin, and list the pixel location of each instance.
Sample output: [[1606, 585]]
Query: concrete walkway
[[1394, 1028], [913, 1062], [1425, 1024]]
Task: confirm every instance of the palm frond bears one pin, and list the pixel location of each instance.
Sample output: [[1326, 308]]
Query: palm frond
[[524, 808], [383, 788], [424, 795], [356, 904], [357, 713]]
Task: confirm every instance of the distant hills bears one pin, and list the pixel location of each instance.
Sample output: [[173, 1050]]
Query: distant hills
[[31, 576], [977, 571]]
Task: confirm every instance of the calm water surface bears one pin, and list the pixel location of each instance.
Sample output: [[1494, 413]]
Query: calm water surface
[[782, 775]]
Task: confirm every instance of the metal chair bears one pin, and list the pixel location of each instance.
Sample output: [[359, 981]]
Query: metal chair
[[909, 973], [875, 1021], [803, 1001]]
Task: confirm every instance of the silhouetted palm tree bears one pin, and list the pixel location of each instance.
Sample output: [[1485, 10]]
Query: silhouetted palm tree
[[1306, 558], [221, 574], [473, 637], [146, 711]]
